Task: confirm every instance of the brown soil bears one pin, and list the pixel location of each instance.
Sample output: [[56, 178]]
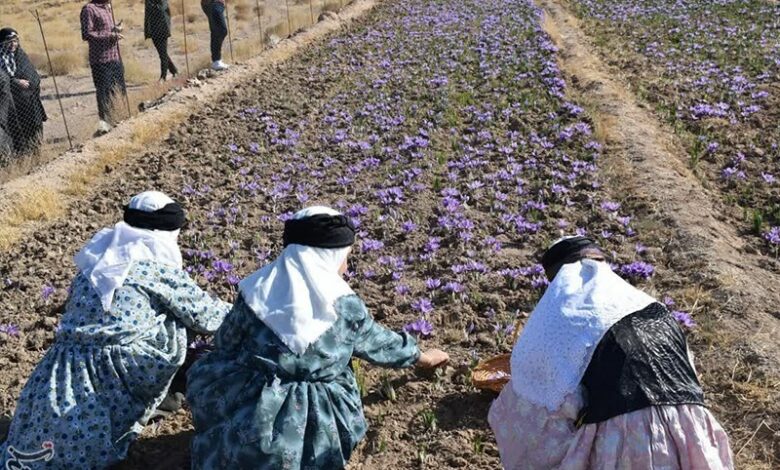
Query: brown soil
[[702, 259]]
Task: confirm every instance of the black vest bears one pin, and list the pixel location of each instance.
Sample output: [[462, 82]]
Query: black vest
[[642, 361]]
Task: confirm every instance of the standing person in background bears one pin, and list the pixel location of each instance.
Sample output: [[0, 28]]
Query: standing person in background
[[7, 114], [157, 27], [103, 36], [215, 12], [26, 92]]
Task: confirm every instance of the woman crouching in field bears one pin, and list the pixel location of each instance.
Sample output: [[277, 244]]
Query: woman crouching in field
[[602, 378], [278, 391], [121, 339]]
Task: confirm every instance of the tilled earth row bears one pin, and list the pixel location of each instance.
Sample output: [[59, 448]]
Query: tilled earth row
[[443, 129]]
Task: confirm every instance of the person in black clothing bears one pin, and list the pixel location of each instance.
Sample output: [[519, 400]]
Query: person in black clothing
[[157, 27], [25, 84]]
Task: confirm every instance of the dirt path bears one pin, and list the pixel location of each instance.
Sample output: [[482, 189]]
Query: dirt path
[[649, 161]]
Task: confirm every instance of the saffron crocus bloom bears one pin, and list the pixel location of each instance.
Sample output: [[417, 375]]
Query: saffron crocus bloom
[[47, 291], [10, 330], [773, 236], [637, 270], [684, 318], [423, 305], [420, 327]]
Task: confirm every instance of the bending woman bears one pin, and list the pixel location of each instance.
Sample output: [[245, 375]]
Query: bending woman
[[602, 379], [278, 391], [120, 341]]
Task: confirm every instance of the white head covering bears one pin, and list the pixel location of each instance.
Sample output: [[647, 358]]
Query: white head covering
[[107, 258], [295, 295], [581, 304]]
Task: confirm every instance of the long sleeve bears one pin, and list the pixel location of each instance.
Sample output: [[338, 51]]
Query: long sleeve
[[195, 308], [375, 343], [26, 71], [89, 30]]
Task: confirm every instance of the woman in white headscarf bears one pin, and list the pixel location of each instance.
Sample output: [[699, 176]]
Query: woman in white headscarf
[[278, 391], [120, 341], [602, 379]]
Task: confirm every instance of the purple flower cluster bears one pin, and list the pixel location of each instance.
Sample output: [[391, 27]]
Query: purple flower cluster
[[10, 330], [637, 270], [421, 328]]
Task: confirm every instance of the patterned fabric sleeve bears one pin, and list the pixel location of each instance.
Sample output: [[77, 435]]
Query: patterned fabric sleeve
[[195, 308], [378, 345]]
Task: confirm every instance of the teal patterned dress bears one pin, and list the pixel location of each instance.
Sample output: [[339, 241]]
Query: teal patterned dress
[[257, 405], [106, 372]]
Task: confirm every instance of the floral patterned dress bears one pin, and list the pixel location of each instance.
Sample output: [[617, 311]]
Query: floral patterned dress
[[257, 405], [106, 372]]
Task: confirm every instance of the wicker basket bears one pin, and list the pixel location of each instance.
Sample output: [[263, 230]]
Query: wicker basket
[[492, 374]]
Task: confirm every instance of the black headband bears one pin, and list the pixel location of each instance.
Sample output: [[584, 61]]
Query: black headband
[[565, 251], [320, 231], [169, 218]]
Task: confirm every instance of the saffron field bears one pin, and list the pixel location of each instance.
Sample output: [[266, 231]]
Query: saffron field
[[447, 132], [711, 69]]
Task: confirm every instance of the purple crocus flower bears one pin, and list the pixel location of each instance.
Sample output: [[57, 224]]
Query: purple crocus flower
[[402, 289], [637, 270], [684, 318], [367, 245], [10, 330], [432, 284], [408, 226], [773, 236], [420, 327], [423, 305], [453, 287], [47, 291], [610, 206]]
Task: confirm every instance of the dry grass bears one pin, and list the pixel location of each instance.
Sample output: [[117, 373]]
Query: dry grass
[[34, 205], [136, 72], [66, 62], [247, 48], [144, 134]]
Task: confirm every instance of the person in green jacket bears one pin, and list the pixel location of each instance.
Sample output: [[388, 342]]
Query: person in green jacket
[[278, 391], [157, 27]]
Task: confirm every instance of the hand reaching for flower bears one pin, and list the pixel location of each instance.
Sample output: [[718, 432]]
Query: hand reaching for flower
[[433, 358]]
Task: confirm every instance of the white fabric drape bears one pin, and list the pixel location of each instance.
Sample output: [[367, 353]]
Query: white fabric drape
[[107, 258], [584, 300], [295, 295]]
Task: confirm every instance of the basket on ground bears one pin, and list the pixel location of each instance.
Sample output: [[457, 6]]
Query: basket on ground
[[492, 374]]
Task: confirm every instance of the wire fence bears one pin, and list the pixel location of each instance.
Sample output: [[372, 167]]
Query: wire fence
[[75, 69]]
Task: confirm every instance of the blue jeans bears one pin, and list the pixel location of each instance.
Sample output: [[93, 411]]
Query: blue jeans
[[218, 27]]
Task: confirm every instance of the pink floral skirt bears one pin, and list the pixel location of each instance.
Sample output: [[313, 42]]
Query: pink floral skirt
[[654, 438]]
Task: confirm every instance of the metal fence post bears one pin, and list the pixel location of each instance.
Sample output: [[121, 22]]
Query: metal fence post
[[260, 25], [230, 36], [184, 26], [54, 79], [289, 24]]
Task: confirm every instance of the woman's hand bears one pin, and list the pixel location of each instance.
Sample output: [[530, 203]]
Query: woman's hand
[[23, 83], [433, 358]]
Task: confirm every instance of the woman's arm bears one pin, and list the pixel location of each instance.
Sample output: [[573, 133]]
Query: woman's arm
[[186, 301]]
